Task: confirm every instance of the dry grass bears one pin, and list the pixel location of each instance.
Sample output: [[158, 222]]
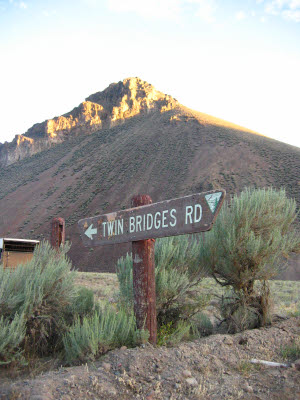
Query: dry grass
[[285, 294], [104, 285]]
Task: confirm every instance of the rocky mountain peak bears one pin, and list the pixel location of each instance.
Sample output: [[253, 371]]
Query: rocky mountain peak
[[105, 109], [130, 97]]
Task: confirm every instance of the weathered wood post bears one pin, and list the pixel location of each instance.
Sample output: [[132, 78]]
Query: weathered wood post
[[58, 232], [144, 278]]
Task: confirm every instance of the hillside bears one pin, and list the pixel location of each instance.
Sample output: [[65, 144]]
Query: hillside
[[126, 140]]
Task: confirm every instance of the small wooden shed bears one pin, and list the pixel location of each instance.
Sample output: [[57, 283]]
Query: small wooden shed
[[16, 251]]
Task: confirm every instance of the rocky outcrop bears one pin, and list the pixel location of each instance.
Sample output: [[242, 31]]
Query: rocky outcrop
[[104, 109], [131, 97], [20, 147]]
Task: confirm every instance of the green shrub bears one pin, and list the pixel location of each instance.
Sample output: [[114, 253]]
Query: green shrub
[[177, 275], [201, 325], [291, 351], [82, 304], [241, 312], [42, 312], [172, 333], [124, 274], [42, 291], [250, 241], [107, 328], [12, 334]]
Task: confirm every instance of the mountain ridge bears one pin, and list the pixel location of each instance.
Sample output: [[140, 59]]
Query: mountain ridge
[[103, 109], [100, 110]]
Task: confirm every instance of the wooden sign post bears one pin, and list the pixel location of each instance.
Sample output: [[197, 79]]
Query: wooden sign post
[[140, 225], [144, 278], [58, 232]]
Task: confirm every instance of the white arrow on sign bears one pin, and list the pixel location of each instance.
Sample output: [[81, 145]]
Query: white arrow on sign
[[90, 232]]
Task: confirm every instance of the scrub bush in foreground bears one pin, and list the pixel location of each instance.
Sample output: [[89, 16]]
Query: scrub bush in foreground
[[40, 291], [177, 276], [106, 329], [249, 244], [38, 303], [12, 335]]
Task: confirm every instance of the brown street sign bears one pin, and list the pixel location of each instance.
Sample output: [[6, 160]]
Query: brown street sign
[[189, 214]]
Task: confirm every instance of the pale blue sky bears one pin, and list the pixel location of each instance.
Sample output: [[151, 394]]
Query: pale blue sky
[[237, 60]]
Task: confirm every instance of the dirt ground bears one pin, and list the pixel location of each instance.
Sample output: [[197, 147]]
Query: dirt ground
[[215, 367]]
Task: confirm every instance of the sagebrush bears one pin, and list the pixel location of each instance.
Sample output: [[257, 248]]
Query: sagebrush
[[250, 242], [38, 303], [12, 334], [105, 329], [177, 277]]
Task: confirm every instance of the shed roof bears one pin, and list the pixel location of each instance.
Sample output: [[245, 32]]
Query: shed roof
[[17, 241]]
